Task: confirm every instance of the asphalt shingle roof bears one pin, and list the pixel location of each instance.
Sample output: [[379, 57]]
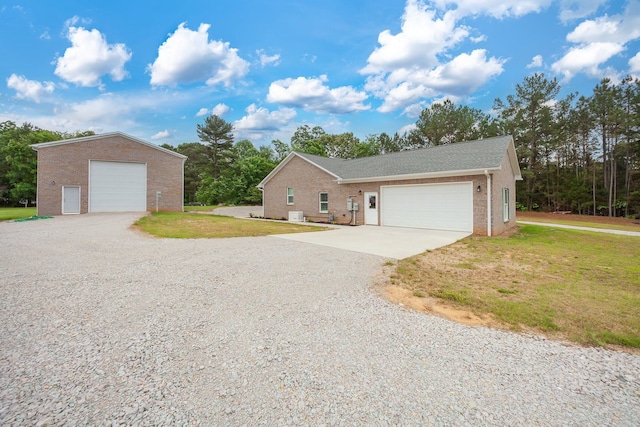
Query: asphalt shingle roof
[[472, 155]]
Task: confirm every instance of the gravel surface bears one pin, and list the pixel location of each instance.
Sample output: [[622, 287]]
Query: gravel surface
[[102, 326], [239, 211]]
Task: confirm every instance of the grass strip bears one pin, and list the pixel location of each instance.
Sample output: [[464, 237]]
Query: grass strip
[[581, 286], [185, 225]]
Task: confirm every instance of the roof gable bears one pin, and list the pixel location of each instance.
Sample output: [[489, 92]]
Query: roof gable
[[461, 158], [104, 136]]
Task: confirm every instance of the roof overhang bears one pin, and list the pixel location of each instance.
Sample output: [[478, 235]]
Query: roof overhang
[[103, 136], [513, 159], [283, 164], [443, 174]]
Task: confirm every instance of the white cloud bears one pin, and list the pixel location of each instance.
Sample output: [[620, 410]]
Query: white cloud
[[29, 89], [260, 122], [459, 77], [596, 41], [536, 62], [268, 59], [634, 64], [577, 9], [105, 113], [90, 57], [422, 38], [406, 129], [495, 8], [161, 135], [189, 56], [220, 109], [586, 59], [311, 94], [406, 68]]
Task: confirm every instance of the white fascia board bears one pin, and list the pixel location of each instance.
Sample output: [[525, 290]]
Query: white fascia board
[[320, 167], [102, 136], [444, 174], [276, 170], [287, 160], [513, 159]]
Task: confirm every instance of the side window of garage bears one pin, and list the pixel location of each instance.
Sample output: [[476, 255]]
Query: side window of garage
[[505, 205], [324, 202], [289, 195]]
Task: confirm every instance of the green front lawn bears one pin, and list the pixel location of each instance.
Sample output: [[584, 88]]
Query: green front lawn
[[7, 214], [581, 286], [185, 225]]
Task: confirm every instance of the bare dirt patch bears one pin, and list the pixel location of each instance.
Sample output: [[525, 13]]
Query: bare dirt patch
[[566, 286], [400, 295], [549, 216]]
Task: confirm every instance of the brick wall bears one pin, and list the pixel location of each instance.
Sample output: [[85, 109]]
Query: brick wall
[[68, 165], [309, 181], [503, 179]]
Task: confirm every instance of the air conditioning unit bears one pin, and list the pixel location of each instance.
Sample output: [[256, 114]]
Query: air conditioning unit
[[296, 216]]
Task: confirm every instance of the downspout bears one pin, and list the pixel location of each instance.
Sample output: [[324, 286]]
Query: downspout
[[488, 175]]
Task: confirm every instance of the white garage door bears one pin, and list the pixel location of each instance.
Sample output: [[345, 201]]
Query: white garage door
[[117, 187], [434, 206]]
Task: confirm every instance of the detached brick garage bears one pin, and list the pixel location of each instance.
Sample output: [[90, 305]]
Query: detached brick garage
[[112, 172]]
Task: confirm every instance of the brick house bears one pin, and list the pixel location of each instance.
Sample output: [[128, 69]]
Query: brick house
[[112, 172], [466, 186]]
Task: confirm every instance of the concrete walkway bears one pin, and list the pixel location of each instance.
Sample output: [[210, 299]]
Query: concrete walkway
[[576, 227], [389, 242]]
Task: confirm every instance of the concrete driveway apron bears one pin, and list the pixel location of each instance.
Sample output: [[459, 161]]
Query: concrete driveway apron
[[389, 242]]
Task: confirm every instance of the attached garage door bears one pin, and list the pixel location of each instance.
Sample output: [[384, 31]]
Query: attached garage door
[[117, 187], [434, 206]]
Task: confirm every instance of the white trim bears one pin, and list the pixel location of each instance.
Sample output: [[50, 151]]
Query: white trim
[[182, 186], [513, 160], [444, 174], [79, 200], [103, 136], [320, 202], [287, 160], [318, 166], [488, 202], [293, 198], [506, 204]]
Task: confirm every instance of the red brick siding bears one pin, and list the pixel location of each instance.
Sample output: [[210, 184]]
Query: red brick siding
[[68, 164]]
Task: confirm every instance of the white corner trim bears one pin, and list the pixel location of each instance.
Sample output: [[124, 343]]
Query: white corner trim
[[488, 175]]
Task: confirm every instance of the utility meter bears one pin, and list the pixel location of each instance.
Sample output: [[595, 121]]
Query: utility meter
[[349, 204], [356, 206]]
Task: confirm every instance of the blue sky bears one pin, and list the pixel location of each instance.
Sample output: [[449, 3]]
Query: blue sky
[[156, 69]]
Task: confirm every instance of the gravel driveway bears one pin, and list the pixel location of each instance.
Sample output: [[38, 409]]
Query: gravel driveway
[[102, 326]]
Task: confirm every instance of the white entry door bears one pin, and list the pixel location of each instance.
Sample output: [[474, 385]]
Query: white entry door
[[371, 208], [70, 199]]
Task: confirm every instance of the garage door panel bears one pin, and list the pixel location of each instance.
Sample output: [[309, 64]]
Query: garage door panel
[[117, 187], [434, 206]]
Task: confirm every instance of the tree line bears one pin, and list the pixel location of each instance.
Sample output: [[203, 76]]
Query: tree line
[[577, 153], [18, 161]]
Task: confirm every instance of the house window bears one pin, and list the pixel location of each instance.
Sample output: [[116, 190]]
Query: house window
[[324, 202], [289, 195], [505, 205]]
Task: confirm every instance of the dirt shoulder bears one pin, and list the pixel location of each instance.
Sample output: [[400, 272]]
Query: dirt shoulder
[[634, 224]]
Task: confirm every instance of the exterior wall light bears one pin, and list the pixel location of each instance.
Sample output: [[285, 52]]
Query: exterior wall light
[[479, 189]]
